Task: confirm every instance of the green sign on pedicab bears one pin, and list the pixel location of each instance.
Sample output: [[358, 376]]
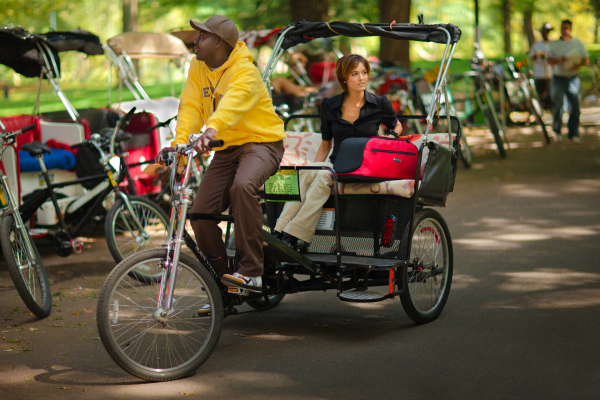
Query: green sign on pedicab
[[283, 186]]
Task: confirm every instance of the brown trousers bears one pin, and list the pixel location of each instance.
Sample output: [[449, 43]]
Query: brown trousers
[[222, 184]]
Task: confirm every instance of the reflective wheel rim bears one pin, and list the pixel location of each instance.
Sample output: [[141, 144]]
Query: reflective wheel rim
[[128, 238], [428, 275], [26, 264], [144, 337]]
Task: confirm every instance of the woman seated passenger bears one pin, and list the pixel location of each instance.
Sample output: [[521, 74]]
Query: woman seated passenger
[[353, 113]]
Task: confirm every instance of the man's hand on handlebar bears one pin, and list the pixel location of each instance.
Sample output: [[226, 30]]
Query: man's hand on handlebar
[[161, 156], [202, 144]]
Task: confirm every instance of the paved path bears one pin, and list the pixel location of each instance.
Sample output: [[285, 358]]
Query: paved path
[[522, 320]]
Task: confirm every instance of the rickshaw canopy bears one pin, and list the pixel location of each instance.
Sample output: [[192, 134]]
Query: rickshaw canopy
[[148, 45], [251, 38], [305, 31], [24, 52], [75, 40]]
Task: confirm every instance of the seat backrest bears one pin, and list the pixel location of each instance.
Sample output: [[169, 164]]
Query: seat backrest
[[64, 132], [300, 148]]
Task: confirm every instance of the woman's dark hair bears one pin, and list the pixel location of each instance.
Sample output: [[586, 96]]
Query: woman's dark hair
[[345, 66]]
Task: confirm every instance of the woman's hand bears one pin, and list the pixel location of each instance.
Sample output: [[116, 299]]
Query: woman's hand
[[398, 129]]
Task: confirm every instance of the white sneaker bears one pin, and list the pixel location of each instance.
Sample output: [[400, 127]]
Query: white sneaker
[[245, 282], [557, 138], [204, 311], [575, 140]]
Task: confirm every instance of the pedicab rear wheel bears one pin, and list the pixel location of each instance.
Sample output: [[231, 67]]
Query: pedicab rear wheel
[[428, 276]]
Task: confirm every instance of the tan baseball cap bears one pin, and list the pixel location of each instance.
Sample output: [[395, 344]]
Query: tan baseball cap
[[546, 27], [221, 26]]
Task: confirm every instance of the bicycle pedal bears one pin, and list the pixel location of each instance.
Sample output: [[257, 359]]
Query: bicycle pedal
[[77, 246], [237, 290]]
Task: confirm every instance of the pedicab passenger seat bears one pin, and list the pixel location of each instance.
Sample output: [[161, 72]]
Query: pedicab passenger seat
[[364, 209]]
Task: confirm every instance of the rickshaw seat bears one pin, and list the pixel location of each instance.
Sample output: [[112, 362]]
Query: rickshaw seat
[[301, 149], [36, 148]]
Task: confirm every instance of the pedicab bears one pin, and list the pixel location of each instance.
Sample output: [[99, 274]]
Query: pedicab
[[371, 247], [75, 198], [126, 47]]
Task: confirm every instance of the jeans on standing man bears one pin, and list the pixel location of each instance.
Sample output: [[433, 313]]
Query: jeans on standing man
[[569, 88]]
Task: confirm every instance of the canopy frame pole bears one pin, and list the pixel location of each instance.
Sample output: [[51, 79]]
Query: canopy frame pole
[[132, 75], [274, 59], [121, 69], [440, 82], [50, 69]]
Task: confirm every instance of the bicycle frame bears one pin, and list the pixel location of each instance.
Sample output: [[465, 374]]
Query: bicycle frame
[[30, 206]]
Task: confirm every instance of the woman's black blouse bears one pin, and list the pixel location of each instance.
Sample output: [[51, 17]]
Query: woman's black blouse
[[376, 111]]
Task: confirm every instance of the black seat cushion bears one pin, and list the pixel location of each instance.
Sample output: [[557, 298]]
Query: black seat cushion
[[36, 148]]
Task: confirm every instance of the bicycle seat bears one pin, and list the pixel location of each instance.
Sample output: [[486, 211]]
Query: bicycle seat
[[36, 148]]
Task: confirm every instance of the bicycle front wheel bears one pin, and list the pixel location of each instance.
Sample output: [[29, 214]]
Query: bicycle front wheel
[[26, 268], [494, 127], [465, 151], [537, 111], [151, 342], [122, 233], [429, 274]]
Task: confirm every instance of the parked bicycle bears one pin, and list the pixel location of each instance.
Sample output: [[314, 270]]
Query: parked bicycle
[[520, 94], [132, 223], [22, 258], [477, 97]]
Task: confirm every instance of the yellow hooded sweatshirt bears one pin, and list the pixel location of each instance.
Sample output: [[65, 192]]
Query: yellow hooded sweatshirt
[[244, 111]]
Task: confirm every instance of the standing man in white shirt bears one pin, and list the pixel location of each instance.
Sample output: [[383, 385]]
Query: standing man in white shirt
[[566, 56], [542, 71]]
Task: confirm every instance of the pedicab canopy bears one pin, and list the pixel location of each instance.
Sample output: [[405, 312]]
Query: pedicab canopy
[[305, 31], [148, 45], [26, 53], [251, 38], [75, 40]]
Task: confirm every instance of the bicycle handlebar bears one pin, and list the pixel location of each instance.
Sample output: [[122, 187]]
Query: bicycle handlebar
[[9, 135], [216, 143], [164, 153], [161, 124]]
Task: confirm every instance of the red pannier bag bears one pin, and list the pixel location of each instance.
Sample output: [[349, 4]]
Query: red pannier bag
[[375, 159]]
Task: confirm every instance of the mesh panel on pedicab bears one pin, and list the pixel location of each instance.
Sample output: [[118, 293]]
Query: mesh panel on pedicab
[[362, 226]]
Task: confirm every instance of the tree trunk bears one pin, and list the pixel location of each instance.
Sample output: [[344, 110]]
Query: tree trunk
[[506, 8], [130, 25], [597, 15], [528, 25], [130, 15], [310, 10], [392, 51]]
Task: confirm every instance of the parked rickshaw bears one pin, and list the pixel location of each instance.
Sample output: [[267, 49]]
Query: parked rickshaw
[[378, 247]]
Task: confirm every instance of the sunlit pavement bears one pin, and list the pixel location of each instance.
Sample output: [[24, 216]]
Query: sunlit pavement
[[522, 320]]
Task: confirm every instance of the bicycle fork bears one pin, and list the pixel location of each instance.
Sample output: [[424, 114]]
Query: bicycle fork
[[178, 220]]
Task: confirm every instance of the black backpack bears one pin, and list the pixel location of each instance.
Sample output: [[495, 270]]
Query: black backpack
[[88, 164]]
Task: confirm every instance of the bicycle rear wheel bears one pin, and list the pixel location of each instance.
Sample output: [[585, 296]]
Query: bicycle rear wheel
[[124, 238], [143, 341], [496, 131], [26, 269], [465, 151], [536, 110], [429, 275]]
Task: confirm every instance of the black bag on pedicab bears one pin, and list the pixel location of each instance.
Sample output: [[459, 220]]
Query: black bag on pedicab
[[439, 175]]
